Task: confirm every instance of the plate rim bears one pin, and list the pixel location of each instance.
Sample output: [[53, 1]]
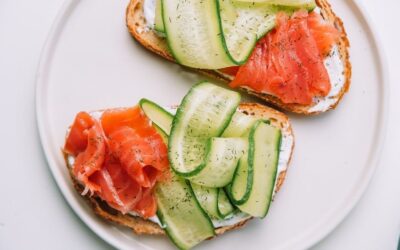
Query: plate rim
[[306, 240]]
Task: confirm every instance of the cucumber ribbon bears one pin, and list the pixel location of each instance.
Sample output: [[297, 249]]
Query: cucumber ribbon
[[215, 34], [206, 154], [214, 201], [217, 149]]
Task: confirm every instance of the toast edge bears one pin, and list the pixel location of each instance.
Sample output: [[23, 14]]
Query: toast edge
[[136, 25], [141, 226]]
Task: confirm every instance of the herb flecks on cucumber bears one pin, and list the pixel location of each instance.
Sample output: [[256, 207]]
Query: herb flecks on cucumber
[[218, 34], [299, 4], [222, 156], [158, 115], [184, 220], [264, 145], [178, 210], [204, 113], [221, 160], [214, 201]]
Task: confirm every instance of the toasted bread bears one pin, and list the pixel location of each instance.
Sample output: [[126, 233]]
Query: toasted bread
[[147, 227], [137, 26]]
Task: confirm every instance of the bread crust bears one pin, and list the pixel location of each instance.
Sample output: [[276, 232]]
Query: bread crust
[[137, 26], [142, 226]]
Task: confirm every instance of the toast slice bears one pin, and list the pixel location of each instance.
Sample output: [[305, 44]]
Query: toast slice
[[137, 26], [147, 227]]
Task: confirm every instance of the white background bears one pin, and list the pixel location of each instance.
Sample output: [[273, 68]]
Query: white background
[[33, 213]]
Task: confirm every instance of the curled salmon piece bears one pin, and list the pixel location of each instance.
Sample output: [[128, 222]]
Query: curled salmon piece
[[136, 143], [116, 187], [91, 159], [119, 158], [77, 137]]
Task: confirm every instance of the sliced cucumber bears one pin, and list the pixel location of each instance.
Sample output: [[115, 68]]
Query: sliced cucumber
[[203, 114], [306, 4], [158, 22], [183, 219], [221, 33], [240, 125], [242, 183], [193, 33], [207, 198], [157, 115], [213, 201], [222, 156], [264, 144], [225, 208], [179, 212], [214, 34], [242, 25]]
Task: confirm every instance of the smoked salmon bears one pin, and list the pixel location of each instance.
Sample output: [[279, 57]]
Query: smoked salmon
[[77, 139], [85, 141], [118, 157], [135, 142], [116, 187], [288, 61]]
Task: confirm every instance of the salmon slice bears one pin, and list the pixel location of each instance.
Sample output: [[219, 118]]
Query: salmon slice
[[306, 49], [135, 142], [134, 118], [325, 35], [288, 61], [92, 158], [116, 187], [119, 158], [147, 206], [77, 138], [232, 71], [290, 77], [143, 158]]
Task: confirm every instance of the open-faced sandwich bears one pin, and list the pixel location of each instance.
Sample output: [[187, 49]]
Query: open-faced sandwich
[[191, 172], [291, 53]]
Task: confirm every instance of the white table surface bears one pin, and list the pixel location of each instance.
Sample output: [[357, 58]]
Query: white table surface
[[33, 213]]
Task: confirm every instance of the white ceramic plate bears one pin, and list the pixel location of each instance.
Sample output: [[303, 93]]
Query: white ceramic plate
[[91, 62]]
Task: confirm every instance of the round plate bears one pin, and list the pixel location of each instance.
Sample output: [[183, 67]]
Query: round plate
[[91, 62]]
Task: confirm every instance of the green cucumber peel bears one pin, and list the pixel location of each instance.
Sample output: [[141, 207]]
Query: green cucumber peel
[[220, 162], [299, 4], [240, 125], [157, 114], [242, 183], [199, 44], [213, 201], [221, 33], [265, 141], [222, 154], [225, 207], [180, 214], [239, 190], [242, 25], [204, 113], [158, 21], [179, 211]]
